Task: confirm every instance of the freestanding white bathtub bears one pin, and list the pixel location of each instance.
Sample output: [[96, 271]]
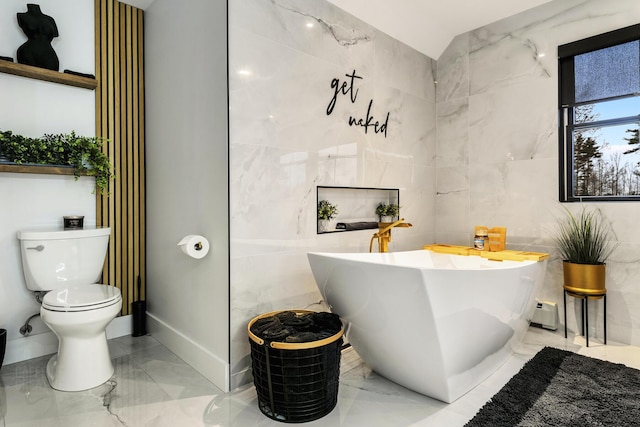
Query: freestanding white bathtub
[[435, 323]]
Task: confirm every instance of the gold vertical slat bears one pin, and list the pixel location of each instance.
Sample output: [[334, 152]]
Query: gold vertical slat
[[103, 14], [98, 52], [135, 159], [141, 151], [120, 118], [102, 98], [114, 97], [122, 146], [130, 169], [117, 196]]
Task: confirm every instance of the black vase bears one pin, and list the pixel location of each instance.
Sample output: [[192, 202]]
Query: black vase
[[3, 344]]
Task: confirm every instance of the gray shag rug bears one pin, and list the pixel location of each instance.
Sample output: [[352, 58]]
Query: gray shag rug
[[561, 388]]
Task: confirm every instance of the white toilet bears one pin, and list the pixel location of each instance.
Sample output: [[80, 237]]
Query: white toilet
[[66, 264]]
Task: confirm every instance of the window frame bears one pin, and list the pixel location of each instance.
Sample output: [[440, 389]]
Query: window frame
[[566, 92]]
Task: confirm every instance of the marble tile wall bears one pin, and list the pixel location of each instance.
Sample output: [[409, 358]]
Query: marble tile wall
[[283, 57], [494, 161], [497, 161]]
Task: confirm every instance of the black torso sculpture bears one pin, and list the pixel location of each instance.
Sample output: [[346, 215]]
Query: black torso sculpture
[[40, 29]]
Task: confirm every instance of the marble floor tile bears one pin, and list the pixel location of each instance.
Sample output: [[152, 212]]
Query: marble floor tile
[[153, 387]]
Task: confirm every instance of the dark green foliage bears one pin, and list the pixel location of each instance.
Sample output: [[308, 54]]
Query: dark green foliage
[[586, 150], [632, 141], [326, 210], [82, 153], [585, 238], [387, 210]]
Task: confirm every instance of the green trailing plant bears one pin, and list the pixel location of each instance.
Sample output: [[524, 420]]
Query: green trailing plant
[[84, 154], [326, 210], [385, 209], [585, 238]]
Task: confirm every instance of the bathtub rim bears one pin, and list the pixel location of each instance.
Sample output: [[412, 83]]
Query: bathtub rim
[[380, 258]]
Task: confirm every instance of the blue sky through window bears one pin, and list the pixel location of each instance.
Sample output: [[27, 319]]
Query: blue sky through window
[[611, 138]]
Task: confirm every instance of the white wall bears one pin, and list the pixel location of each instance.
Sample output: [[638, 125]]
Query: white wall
[[498, 145], [32, 108], [187, 184], [283, 56]]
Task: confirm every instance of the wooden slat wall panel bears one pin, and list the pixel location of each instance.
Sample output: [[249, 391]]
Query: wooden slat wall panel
[[120, 119]]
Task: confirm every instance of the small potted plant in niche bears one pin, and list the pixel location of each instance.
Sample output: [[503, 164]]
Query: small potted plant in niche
[[326, 212], [387, 212], [84, 154]]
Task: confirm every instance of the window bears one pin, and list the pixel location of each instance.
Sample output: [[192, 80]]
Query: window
[[599, 101]]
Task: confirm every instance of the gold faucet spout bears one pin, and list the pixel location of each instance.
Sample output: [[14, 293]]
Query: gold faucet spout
[[397, 223], [384, 234]]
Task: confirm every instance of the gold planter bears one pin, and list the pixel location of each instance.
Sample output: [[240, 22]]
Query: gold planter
[[584, 279]]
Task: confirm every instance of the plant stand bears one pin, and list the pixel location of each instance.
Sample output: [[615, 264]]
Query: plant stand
[[584, 300]]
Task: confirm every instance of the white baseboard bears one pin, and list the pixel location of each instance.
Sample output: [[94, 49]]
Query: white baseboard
[[120, 326], [238, 379], [202, 360], [32, 346]]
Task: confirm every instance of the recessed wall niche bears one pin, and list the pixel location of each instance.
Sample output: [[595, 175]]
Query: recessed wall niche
[[356, 206]]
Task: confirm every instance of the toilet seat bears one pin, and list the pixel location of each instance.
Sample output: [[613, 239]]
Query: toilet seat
[[81, 298]]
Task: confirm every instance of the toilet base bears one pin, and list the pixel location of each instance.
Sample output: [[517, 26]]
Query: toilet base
[[74, 384], [80, 372], [83, 360]]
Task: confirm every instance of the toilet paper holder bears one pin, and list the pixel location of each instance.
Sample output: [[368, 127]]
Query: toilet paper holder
[[194, 245]]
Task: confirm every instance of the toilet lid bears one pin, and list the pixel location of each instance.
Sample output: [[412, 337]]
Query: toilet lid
[[81, 298]]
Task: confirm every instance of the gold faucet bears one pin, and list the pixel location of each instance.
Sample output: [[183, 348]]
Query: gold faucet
[[384, 234]]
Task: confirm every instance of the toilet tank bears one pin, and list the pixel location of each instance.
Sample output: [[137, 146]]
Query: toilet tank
[[60, 258]]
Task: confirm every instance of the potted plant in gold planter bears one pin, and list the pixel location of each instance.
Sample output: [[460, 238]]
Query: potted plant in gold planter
[[585, 241]]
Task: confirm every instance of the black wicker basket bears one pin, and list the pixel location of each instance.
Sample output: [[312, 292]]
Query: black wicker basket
[[296, 382]]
